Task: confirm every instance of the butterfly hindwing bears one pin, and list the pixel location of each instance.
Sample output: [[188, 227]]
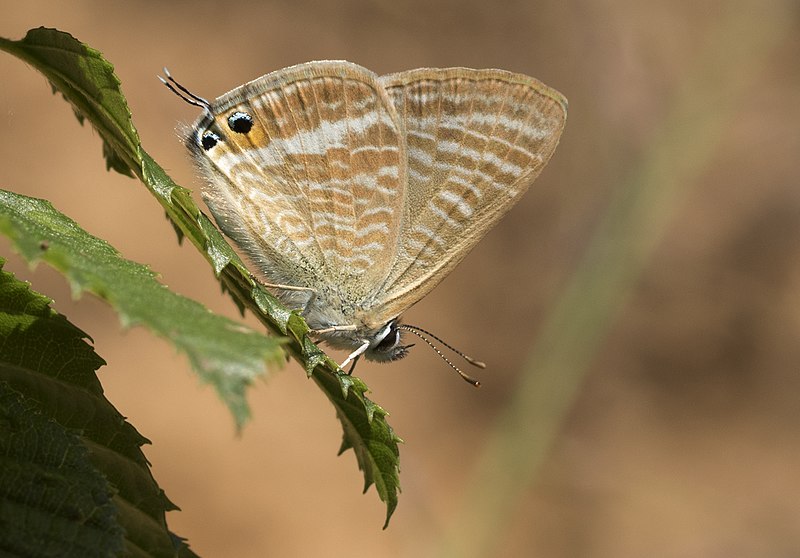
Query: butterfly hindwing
[[475, 141]]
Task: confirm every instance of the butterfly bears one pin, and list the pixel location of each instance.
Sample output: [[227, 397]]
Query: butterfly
[[355, 194]]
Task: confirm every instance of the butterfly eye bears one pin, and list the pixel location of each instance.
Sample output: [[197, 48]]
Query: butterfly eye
[[390, 341], [209, 140], [240, 122]]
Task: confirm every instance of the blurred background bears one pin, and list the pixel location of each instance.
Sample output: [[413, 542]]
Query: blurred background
[[673, 430]]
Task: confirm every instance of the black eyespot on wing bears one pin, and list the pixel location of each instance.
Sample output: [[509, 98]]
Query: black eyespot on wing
[[209, 140], [240, 122]]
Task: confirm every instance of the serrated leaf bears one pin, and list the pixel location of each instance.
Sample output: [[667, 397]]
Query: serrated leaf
[[54, 499], [225, 353], [73, 478], [368, 434], [112, 120], [87, 81]]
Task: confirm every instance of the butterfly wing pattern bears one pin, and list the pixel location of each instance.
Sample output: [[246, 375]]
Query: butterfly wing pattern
[[362, 192], [476, 140], [313, 190]]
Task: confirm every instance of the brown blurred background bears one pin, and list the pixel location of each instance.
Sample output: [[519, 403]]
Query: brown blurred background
[[684, 439]]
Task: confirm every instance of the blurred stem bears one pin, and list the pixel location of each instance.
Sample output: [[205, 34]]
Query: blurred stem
[[702, 108]]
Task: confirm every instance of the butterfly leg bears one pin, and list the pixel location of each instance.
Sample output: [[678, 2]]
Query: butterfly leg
[[280, 286], [289, 287], [284, 287], [353, 365], [355, 355], [348, 327]]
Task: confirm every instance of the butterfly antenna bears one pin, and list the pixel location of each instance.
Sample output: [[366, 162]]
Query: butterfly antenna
[[421, 333], [183, 92]]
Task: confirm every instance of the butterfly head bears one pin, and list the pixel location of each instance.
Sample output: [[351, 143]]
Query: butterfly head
[[387, 345]]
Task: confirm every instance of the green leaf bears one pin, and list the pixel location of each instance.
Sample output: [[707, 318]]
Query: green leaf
[[225, 353], [73, 478], [88, 82], [368, 434], [364, 424]]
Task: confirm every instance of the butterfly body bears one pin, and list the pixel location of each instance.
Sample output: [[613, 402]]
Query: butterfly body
[[359, 193]]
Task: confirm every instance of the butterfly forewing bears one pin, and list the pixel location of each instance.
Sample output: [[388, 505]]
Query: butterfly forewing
[[314, 191], [475, 140]]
